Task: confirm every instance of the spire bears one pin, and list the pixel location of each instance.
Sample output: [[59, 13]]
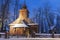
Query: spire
[[24, 4]]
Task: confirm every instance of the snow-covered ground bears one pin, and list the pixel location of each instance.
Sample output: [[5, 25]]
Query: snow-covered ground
[[31, 39], [41, 37]]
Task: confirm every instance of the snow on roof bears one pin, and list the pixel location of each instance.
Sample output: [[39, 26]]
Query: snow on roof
[[20, 25], [32, 24], [24, 24]]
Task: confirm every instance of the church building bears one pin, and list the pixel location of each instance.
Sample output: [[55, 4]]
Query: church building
[[22, 23]]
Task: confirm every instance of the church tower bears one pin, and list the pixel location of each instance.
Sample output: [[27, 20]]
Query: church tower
[[23, 13]]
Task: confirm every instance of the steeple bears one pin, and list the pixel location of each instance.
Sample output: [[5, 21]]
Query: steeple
[[24, 5]]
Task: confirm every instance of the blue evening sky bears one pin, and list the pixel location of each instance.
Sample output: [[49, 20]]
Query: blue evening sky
[[34, 4]]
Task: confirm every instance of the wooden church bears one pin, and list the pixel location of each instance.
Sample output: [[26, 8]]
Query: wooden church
[[22, 24]]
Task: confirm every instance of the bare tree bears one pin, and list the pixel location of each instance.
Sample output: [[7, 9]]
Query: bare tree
[[4, 10], [16, 8]]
